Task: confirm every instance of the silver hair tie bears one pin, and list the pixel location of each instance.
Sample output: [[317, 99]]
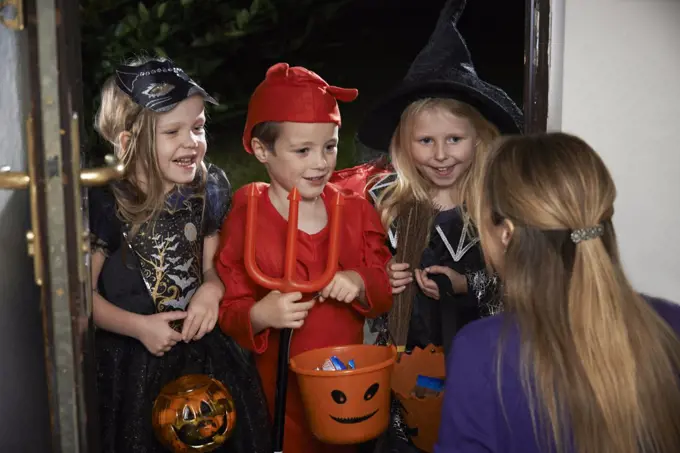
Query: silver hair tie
[[584, 234]]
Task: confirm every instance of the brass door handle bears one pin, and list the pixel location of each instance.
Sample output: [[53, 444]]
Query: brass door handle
[[102, 175], [15, 180], [91, 177]]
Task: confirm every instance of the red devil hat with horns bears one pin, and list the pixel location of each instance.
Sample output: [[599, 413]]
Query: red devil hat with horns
[[297, 95]]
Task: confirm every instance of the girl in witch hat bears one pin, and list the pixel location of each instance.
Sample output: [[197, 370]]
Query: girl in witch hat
[[434, 124]]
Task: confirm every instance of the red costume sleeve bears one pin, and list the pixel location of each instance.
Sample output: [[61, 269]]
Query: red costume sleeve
[[374, 261], [357, 179], [240, 291]]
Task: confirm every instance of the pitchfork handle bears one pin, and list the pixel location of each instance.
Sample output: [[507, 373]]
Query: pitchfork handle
[[281, 387]]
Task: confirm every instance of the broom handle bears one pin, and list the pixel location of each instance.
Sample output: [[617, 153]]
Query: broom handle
[[281, 389]]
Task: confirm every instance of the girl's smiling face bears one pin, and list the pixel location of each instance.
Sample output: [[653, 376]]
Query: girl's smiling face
[[442, 146], [181, 142]]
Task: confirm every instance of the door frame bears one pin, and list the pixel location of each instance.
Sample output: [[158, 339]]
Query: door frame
[[55, 103], [58, 239], [536, 65]]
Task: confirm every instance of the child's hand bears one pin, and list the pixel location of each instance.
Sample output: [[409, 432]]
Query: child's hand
[[280, 310], [157, 335], [346, 286], [202, 314], [427, 285], [399, 276], [430, 288]]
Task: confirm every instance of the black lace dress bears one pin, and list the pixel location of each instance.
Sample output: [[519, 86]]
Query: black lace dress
[[159, 269], [453, 243]]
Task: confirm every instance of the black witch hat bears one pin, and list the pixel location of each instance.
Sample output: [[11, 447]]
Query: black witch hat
[[442, 69]]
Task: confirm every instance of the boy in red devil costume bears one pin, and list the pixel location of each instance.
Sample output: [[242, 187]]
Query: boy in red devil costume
[[292, 128]]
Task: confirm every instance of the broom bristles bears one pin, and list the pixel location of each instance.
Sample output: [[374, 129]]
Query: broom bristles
[[414, 222]]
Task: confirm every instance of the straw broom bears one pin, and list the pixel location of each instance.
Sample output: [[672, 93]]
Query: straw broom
[[414, 223]]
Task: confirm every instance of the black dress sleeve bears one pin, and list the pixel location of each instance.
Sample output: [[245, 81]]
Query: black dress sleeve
[[485, 289], [105, 227], [483, 285], [218, 194]]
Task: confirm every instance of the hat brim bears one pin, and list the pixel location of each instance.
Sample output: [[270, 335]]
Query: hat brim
[[378, 126], [206, 97], [193, 91]]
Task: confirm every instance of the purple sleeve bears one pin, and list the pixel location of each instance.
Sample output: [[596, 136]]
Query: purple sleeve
[[468, 422], [218, 200]]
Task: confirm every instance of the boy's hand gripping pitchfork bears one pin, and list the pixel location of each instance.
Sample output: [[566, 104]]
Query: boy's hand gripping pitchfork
[[288, 284]]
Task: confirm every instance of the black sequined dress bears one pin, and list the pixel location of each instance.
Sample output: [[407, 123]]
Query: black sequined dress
[[159, 269]]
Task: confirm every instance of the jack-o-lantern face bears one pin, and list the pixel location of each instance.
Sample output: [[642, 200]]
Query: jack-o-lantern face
[[193, 414], [341, 398]]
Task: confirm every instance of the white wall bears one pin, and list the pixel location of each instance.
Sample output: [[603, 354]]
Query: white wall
[[615, 82]]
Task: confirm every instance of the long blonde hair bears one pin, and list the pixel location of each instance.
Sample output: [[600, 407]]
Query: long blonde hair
[[411, 184], [118, 113], [599, 365]]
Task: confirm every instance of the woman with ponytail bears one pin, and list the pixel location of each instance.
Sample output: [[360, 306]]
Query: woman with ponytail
[[578, 362]]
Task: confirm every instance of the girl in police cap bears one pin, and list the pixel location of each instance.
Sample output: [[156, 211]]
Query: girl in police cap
[[155, 233]]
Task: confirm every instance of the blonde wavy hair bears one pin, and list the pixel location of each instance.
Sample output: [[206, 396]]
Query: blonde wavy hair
[[139, 201], [599, 365], [411, 184]]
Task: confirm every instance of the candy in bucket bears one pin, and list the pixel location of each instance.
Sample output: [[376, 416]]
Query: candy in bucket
[[427, 386], [333, 363]]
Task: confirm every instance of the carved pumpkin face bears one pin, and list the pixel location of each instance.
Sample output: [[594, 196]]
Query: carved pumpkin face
[[360, 406], [193, 414]]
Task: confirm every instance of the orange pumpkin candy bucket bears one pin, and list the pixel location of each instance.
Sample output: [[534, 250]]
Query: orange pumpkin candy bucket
[[350, 406], [193, 414]]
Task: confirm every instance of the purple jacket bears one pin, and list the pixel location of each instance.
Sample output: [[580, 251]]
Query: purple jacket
[[473, 420]]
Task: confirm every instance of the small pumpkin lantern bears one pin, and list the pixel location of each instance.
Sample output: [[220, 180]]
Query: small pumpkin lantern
[[193, 414], [421, 414]]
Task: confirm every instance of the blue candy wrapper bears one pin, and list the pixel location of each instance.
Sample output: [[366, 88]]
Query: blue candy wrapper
[[328, 366], [337, 363], [430, 383]]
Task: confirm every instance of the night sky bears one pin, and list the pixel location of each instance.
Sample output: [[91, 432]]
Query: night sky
[[383, 36], [376, 40]]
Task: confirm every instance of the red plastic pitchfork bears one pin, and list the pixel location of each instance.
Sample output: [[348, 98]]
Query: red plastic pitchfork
[[287, 283]]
